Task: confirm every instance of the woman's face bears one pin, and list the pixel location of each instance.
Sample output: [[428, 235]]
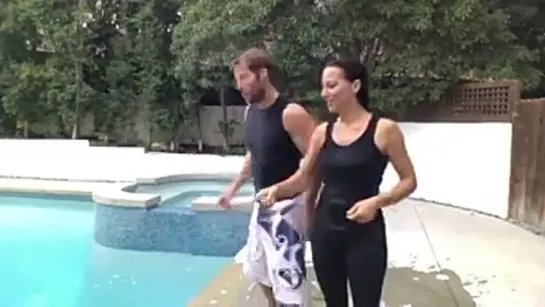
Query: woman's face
[[336, 89]]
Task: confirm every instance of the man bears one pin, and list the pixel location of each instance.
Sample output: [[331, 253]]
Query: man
[[277, 135]]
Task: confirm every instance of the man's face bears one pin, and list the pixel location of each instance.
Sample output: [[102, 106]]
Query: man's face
[[250, 84]]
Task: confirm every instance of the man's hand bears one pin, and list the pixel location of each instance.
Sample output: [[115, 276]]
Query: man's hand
[[225, 199]]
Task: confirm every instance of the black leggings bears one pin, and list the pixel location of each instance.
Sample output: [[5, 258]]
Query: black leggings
[[357, 254]]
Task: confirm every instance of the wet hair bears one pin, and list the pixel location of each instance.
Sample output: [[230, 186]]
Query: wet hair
[[255, 59], [355, 70]]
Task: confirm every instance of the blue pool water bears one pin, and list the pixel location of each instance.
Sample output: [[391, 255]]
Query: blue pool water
[[175, 192], [48, 258]]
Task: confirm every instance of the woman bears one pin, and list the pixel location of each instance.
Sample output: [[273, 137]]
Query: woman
[[349, 155]]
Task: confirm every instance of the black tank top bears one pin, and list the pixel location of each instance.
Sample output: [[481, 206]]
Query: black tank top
[[274, 155], [349, 173]]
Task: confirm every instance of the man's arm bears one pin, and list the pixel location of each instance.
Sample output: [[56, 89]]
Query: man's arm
[[299, 124], [244, 174], [246, 170]]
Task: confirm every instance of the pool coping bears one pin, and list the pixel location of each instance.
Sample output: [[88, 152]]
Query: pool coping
[[51, 186], [122, 193], [226, 289], [232, 287], [126, 195]]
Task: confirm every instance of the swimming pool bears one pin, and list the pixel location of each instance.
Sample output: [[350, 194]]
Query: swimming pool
[[177, 193], [48, 258], [174, 226]]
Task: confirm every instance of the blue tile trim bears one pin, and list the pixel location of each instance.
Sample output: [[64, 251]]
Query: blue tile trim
[[171, 229]]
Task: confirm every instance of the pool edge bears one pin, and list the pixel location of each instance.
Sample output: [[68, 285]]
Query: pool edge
[[231, 288], [60, 187], [126, 196], [225, 290], [44, 191]]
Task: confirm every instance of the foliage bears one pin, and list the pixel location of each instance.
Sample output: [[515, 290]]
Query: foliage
[[142, 65]]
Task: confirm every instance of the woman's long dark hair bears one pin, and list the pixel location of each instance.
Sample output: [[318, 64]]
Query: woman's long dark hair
[[355, 70]]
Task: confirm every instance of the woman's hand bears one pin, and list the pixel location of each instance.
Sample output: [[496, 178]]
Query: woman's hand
[[267, 197], [363, 211]]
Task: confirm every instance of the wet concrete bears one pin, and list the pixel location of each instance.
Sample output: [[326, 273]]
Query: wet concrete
[[403, 287], [438, 257], [409, 287]]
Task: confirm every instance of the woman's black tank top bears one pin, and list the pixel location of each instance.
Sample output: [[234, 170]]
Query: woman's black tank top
[[349, 173]]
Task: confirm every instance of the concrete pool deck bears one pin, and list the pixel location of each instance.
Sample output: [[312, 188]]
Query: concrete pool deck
[[55, 186], [439, 256]]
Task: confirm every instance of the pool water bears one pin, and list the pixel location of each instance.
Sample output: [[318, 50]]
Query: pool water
[[48, 258], [177, 192]]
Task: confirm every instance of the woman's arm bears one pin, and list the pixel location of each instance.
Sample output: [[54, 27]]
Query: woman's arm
[[300, 181], [392, 142]]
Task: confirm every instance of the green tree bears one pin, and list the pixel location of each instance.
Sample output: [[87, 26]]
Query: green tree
[[142, 65], [134, 71], [48, 35], [415, 50]]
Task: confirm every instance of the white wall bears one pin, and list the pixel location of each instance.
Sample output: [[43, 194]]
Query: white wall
[[465, 165], [461, 164], [72, 161], [13, 146]]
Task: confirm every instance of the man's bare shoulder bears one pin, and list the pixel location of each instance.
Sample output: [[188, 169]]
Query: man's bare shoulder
[[295, 115], [295, 111]]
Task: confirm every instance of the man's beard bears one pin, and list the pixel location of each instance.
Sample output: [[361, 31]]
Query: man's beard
[[257, 97]]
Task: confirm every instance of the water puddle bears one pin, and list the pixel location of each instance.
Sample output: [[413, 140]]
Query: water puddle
[[406, 287]]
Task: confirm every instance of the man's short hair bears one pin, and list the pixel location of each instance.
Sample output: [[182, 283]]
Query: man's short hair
[[255, 59]]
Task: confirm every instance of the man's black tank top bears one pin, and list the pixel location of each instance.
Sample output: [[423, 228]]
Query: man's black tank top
[[350, 173], [274, 155]]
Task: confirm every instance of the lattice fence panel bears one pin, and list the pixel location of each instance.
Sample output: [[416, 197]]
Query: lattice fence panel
[[472, 102], [484, 99]]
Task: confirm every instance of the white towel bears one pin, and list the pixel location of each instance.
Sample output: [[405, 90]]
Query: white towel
[[274, 254]]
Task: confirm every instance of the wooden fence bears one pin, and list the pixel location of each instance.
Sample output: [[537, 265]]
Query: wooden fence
[[527, 184]]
